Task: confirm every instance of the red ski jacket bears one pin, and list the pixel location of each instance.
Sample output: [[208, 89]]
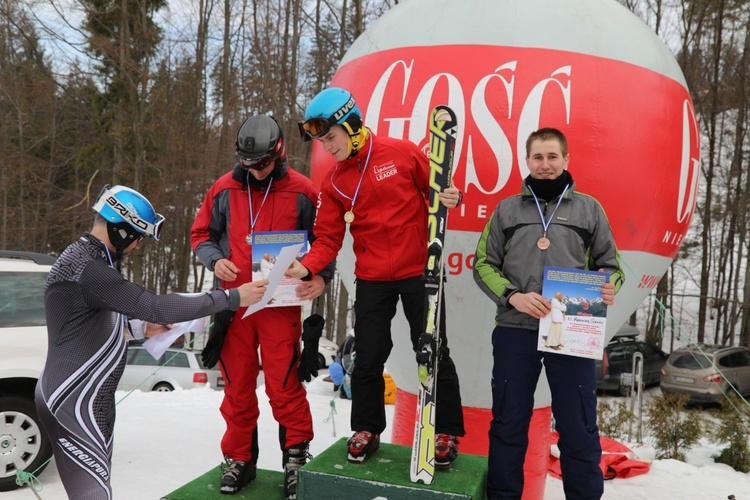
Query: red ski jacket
[[223, 222], [390, 211]]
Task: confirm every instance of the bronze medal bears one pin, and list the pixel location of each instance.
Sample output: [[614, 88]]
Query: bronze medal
[[349, 217], [543, 243]]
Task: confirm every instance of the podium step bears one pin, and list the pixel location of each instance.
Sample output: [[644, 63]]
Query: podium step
[[385, 475], [268, 485]]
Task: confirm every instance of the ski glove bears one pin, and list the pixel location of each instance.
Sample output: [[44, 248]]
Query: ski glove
[[312, 329], [212, 350]]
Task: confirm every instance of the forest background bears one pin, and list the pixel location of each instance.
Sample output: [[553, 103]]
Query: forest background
[[150, 93]]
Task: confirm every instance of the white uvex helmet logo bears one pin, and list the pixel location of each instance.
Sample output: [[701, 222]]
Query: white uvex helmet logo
[[343, 110]]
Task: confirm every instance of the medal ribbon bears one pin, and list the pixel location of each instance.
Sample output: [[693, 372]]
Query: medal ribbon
[[546, 224], [250, 202], [359, 184], [111, 262]]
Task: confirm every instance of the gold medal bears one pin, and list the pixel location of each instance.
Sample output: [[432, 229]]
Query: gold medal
[[542, 243], [249, 238], [349, 217]]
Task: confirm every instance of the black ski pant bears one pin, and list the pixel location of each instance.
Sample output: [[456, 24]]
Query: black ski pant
[[374, 308], [572, 381]]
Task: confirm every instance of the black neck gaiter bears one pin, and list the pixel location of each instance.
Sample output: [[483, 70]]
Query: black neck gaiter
[[549, 189]]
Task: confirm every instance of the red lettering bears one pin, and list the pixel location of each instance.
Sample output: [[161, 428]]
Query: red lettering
[[457, 262]]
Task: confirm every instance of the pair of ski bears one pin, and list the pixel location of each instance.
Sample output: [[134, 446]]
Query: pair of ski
[[443, 129]]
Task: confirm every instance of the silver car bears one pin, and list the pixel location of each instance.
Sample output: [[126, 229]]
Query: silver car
[[704, 372], [176, 368], [326, 352]]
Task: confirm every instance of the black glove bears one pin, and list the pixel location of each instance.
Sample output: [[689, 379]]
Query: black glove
[[212, 350], [312, 329]]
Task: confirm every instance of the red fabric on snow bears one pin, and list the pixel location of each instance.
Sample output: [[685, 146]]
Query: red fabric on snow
[[617, 460]]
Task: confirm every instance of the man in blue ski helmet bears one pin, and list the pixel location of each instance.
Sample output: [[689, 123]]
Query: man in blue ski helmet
[[89, 306], [334, 106], [378, 190], [130, 217]]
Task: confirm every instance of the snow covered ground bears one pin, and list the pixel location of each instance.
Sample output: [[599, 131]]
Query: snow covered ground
[[164, 440]]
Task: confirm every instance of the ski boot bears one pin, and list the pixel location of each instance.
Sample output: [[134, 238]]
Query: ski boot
[[235, 475], [361, 445], [446, 450], [294, 458]]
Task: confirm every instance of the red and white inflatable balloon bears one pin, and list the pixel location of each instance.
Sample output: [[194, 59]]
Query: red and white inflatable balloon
[[588, 67]]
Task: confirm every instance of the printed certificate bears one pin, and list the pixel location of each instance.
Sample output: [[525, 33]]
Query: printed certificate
[[267, 248], [576, 323]]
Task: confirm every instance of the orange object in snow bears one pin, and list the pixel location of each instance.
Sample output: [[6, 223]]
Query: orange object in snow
[[390, 389]]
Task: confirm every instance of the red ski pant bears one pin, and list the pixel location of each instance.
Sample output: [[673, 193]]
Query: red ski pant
[[277, 331]]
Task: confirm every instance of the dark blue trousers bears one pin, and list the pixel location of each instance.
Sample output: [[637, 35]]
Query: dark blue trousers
[[515, 372]]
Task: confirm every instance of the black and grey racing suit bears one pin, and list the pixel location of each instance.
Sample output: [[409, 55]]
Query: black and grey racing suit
[[87, 304]]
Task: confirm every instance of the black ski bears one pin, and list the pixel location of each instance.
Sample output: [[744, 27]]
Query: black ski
[[443, 131]]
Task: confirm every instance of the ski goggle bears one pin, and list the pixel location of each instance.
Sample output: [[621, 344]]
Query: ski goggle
[[254, 163], [313, 128], [108, 197]]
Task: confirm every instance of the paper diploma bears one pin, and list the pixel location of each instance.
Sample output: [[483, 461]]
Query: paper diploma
[[283, 261]]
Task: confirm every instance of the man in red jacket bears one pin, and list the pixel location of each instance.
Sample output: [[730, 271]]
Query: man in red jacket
[[260, 194], [379, 187]]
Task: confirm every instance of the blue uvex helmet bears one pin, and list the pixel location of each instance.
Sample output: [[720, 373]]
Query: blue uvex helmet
[[129, 215], [332, 106]]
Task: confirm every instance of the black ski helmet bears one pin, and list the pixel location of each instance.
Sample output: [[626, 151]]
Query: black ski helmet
[[260, 141]]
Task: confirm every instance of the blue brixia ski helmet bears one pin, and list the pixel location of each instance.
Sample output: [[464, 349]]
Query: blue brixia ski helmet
[[332, 106], [129, 215]]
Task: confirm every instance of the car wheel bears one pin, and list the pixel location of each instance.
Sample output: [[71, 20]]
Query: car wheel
[[163, 387], [23, 443], [321, 361]]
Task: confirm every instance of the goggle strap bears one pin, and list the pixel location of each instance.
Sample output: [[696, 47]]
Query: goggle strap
[[108, 198]]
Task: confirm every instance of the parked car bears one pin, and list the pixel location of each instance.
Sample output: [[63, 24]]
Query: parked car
[[704, 372], [326, 352], [23, 349], [614, 370], [176, 368]]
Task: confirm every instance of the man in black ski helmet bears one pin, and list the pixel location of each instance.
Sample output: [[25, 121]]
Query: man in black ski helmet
[[260, 194]]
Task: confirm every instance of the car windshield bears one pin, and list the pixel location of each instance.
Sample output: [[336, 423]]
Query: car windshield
[[692, 361]]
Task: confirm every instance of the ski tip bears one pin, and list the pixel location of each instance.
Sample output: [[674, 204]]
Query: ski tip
[[442, 115]]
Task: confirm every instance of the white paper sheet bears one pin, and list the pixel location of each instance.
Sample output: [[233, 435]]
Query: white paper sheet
[[158, 344]]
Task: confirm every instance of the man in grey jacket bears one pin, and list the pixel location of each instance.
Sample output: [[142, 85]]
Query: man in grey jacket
[[547, 224]]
